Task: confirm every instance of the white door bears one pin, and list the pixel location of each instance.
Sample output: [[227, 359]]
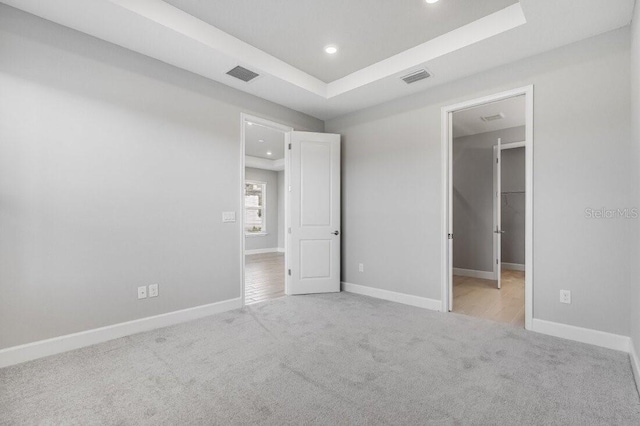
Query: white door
[[497, 233], [450, 214], [314, 257]]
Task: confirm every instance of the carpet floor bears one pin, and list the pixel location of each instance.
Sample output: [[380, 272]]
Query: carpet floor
[[326, 359]]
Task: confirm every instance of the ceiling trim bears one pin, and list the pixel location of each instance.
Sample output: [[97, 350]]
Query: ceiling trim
[[165, 33], [210, 37], [181, 22], [263, 163], [474, 32]]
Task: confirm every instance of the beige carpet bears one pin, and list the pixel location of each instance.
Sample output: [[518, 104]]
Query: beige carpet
[[330, 359]]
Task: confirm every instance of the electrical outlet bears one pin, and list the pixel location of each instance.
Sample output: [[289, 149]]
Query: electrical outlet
[[142, 292], [361, 267], [565, 296], [153, 290]]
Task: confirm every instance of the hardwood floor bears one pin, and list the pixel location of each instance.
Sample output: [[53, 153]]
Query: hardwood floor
[[263, 277], [480, 298]]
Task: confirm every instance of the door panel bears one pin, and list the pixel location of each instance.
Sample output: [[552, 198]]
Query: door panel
[[315, 213], [315, 259], [315, 176]]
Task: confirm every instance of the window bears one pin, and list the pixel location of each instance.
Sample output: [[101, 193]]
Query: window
[[255, 196]]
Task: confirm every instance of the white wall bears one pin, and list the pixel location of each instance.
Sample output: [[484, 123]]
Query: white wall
[[270, 240], [584, 157], [114, 171], [635, 120]]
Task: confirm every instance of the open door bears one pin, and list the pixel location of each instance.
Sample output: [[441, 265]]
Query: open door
[[449, 219], [498, 213], [314, 228]]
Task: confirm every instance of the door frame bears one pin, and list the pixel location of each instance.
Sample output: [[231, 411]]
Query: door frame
[[244, 119], [447, 187], [505, 146]]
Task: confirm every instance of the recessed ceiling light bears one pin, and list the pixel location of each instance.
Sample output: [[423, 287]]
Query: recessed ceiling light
[[249, 123], [431, 1], [260, 140], [331, 49], [269, 152]]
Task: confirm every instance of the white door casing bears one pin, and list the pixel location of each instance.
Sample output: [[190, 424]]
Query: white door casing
[[447, 142], [497, 230], [315, 231], [449, 203]]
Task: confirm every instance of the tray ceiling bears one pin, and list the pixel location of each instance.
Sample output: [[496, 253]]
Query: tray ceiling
[[365, 31], [370, 30]]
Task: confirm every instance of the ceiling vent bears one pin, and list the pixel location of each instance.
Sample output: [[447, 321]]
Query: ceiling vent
[[416, 76], [243, 74], [495, 117]]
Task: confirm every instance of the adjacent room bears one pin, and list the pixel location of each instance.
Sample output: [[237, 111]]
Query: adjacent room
[[264, 194], [489, 211], [319, 212]]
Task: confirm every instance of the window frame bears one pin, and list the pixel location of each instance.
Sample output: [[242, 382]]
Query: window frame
[[263, 207]]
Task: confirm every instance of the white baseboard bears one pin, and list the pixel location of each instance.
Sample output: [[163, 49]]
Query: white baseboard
[[56, 345], [635, 363], [513, 266], [280, 250], [584, 335], [266, 250], [485, 275], [407, 299]]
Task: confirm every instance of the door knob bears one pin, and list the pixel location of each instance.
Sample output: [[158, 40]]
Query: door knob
[[336, 232]]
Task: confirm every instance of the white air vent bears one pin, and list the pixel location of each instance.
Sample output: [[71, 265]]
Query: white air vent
[[243, 74], [492, 117], [416, 76]]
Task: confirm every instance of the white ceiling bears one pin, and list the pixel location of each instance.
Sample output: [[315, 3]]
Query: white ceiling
[[162, 31], [365, 31], [468, 122], [273, 142]]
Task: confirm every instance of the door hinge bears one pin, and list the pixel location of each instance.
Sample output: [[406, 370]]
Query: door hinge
[[496, 261], [289, 146], [450, 236], [289, 272], [497, 160], [289, 230]]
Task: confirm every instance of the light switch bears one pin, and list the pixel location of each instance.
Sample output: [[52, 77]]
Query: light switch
[[228, 217]]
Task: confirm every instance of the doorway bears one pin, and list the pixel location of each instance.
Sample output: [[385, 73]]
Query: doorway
[[264, 173], [487, 244], [290, 210]]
